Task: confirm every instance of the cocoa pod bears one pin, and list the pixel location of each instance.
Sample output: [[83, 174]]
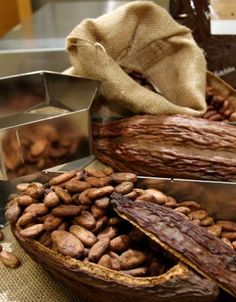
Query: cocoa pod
[[9, 259], [137, 272], [100, 224], [34, 190], [132, 259], [67, 244], [67, 210], [120, 244], [105, 261], [109, 232], [37, 208], [85, 236], [227, 225], [63, 195], [215, 229], [32, 231], [85, 220], [229, 235], [98, 249], [98, 182], [199, 214], [1, 236], [26, 218], [192, 205], [76, 185], [62, 178], [51, 222], [26, 200], [96, 211], [100, 192], [124, 187], [102, 203], [13, 212], [51, 199], [123, 177]]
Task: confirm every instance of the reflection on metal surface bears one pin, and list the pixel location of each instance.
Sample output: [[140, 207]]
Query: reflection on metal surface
[[33, 138], [218, 198]]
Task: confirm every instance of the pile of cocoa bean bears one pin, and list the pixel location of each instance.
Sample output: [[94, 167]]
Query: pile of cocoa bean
[[72, 215]]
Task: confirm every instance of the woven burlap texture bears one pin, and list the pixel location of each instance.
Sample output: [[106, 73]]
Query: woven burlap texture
[[29, 282], [141, 36]]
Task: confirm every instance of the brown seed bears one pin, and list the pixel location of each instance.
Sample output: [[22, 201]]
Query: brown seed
[[67, 210], [67, 244], [139, 192], [105, 261], [98, 182], [199, 214], [171, 203], [1, 236], [62, 178], [100, 192], [51, 222], [160, 198], [124, 187], [102, 203], [22, 186], [75, 185], [209, 113], [107, 171], [196, 221], [13, 212], [83, 197], [37, 208], [32, 231], [46, 239], [136, 235], [229, 235], [98, 249], [109, 232], [120, 243], [63, 195], [136, 272], [227, 241], [100, 224], [156, 268], [115, 261], [124, 176], [96, 211], [26, 200], [224, 107], [9, 259], [26, 218], [234, 244], [34, 190], [215, 229], [132, 195], [63, 227], [85, 220], [114, 220], [183, 210], [227, 225], [95, 173], [146, 198], [192, 205], [38, 147], [132, 259], [85, 236], [207, 221], [215, 117], [51, 199]]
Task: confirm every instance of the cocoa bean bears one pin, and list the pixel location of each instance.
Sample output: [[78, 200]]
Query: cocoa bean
[[22, 186], [227, 241], [215, 117], [67, 244], [156, 268], [63, 195], [98, 249], [120, 244], [207, 221], [62, 178], [105, 261], [234, 244], [85, 236], [38, 147], [224, 107], [160, 198], [102, 203], [215, 229], [139, 192], [229, 235], [124, 187], [136, 272], [109, 232], [132, 195], [63, 227], [32, 231], [199, 214], [9, 259], [96, 211], [196, 221], [136, 235], [26, 200], [51, 222], [100, 192], [183, 210], [131, 259], [46, 239], [13, 212], [34, 190], [85, 220], [107, 171], [67, 210], [26, 218], [94, 172], [227, 225], [115, 261], [37, 208], [100, 224], [98, 182], [83, 197], [146, 198], [192, 205], [124, 176], [114, 220], [209, 114], [76, 185], [86, 251], [171, 203], [51, 199], [1, 236]]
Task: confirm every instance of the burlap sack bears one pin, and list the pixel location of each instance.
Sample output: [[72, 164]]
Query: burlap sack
[[142, 37]]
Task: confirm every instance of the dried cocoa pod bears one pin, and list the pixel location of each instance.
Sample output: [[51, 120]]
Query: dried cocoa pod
[[199, 214], [211, 257], [51, 222], [9, 259], [98, 249], [51, 199], [215, 229], [22, 186], [115, 261], [86, 237], [137, 272], [100, 224], [109, 232], [32, 231], [125, 187], [76, 185], [1, 235], [26, 200], [98, 182], [192, 205], [132, 259], [63, 195], [229, 235], [96, 211], [227, 225], [102, 203], [26, 218], [207, 221], [183, 210], [94, 172], [37, 208], [35, 190], [85, 220], [123, 177], [67, 210], [62, 178], [13, 212], [100, 192], [105, 261], [120, 244], [67, 244]]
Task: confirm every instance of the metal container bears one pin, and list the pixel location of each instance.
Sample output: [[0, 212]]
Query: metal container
[[44, 121]]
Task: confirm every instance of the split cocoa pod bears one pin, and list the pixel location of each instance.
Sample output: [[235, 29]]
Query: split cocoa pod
[[85, 244]]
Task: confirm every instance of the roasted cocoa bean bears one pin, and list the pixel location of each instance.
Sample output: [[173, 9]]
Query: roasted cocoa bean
[[98, 249], [234, 244], [76, 185], [62, 178], [86, 220], [109, 232], [26, 200], [160, 198], [102, 203], [107, 171], [124, 176], [100, 224], [67, 244], [46, 239], [26, 218], [63, 227], [137, 272], [9, 259], [13, 212], [94, 172], [229, 235], [132, 195], [84, 198], [114, 220], [32, 231], [98, 182], [1, 236], [215, 229], [146, 198], [171, 203], [51, 222], [63, 195], [227, 241], [227, 225], [100, 192], [183, 210], [86, 237], [37, 208], [124, 187], [38, 147], [192, 205], [120, 244], [115, 261], [196, 221], [207, 221], [199, 214], [67, 210], [51, 199], [131, 259], [35, 190], [105, 261], [22, 186], [96, 211]]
